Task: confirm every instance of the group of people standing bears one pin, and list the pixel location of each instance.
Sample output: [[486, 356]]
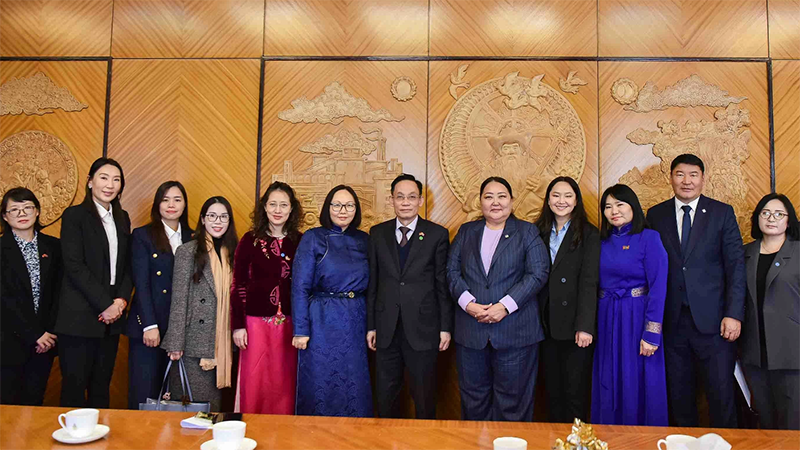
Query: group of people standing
[[626, 317]]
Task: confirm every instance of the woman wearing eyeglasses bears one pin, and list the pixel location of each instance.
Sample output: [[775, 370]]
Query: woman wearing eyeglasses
[[330, 279], [771, 326], [31, 272], [199, 318]]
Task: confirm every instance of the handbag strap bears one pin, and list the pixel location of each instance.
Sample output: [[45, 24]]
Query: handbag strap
[[164, 384], [184, 380]]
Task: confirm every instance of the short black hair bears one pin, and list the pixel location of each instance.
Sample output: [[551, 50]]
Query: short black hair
[[325, 212], [792, 228], [407, 177], [19, 194], [625, 194], [690, 159], [500, 180]]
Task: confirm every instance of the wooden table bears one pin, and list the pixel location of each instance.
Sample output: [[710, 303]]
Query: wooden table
[[32, 427]]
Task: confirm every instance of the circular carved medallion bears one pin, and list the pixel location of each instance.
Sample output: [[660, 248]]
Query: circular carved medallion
[[529, 143], [42, 163], [624, 91], [404, 89]]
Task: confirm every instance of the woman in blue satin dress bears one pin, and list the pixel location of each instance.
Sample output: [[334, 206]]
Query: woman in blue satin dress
[[330, 276], [629, 384]]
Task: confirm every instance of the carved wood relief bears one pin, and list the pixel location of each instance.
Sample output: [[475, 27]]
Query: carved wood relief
[[44, 164], [572, 83], [691, 91], [457, 80], [37, 95], [403, 89], [515, 127], [332, 106]]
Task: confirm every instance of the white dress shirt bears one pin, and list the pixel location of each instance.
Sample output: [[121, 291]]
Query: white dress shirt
[[679, 214], [107, 217], [175, 238], [411, 227]]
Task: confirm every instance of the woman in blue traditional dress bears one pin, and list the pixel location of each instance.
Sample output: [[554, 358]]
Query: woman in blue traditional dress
[[330, 277], [629, 384]]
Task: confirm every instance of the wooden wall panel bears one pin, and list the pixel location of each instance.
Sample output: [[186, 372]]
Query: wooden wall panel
[[618, 155], [195, 121], [346, 27], [513, 28], [784, 29], [443, 206], [684, 28], [786, 94], [81, 131], [312, 175], [188, 28], [55, 27]]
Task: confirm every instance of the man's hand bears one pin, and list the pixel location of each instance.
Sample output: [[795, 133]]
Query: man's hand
[[730, 329], [477, 310], [151, 337], [495, 313], [372, 336], [444, 340]]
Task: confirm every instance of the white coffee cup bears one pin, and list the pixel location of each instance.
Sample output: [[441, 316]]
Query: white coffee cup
[[510, 443], [229, 435], [79, 423], [676, 442]]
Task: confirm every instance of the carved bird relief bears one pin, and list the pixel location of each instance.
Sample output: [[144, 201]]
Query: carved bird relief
[[457, 80], [572, 83]]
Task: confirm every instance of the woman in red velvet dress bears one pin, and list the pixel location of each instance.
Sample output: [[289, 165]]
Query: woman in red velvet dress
[[261, 304]]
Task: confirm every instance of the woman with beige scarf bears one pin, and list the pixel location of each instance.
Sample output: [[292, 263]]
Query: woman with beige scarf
[[199, 318]]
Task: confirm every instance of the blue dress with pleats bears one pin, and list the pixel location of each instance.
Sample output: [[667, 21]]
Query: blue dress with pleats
[[330, 276], [627, 388]]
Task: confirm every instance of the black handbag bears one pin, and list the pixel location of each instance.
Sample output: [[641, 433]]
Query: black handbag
[[187, 404]]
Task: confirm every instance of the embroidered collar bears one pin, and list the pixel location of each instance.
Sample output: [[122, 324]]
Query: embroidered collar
[[625, 229]]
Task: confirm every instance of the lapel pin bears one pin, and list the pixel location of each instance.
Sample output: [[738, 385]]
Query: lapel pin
[[506, 236], [626, 247], [421, 235], [44, 255], [704, 210], [777, 264]]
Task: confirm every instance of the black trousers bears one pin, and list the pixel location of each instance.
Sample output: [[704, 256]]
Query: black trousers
[[25, 384], [390, 364], [775, 396], [146, 369], [86, 368], [688, 352], [567, 375]]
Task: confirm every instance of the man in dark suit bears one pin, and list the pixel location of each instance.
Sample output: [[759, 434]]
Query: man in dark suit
[[409, 313], [705, 295]]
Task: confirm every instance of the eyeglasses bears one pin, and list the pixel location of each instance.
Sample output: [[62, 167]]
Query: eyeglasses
[[212, 217], [349, 207], [17, 212], [412, 198], [777, 215]]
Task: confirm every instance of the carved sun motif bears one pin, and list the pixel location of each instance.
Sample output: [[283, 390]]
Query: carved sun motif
[[515, 127], [624, 91]]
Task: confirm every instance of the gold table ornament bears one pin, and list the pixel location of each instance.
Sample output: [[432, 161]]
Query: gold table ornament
[[581, 438]]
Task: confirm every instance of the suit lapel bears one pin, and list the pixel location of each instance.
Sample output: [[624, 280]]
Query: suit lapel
[[390, 237], [752, 268], [17, 262], [564, 247], [122, 246], [476, 248], [421, 227], [96, 223], [698, 226], [781, 260], [208, 274], [672, 227], [45, 255], [505, 240]]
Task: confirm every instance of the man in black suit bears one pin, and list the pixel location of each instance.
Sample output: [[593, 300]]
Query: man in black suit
[[409, 313], [705, 295]]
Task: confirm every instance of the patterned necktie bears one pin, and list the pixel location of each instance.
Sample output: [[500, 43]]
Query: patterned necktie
[[686, 228], [404, 239]]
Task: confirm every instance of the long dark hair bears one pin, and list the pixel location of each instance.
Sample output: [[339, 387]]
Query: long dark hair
[[577, 219], [88, 199], [625, 194], [792, 227], [325, 213], [261, 222], [19, 194], [229, 240], [155, 229]]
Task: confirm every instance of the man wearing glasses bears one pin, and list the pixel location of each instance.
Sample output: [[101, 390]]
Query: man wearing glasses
[[704, 308], [409, 313]]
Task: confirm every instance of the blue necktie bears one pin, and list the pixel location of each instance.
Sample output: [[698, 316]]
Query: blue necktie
[[686, 228]]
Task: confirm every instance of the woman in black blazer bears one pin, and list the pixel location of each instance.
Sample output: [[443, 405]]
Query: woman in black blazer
[[569, 301], [31, 273], [152, 258], [95, 237]]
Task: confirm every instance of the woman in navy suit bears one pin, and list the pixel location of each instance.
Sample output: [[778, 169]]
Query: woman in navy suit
[[31, 274], [496, 267], [152, 253]]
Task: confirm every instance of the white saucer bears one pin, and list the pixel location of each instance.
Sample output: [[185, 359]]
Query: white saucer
[[100, 431], [247, 444]]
